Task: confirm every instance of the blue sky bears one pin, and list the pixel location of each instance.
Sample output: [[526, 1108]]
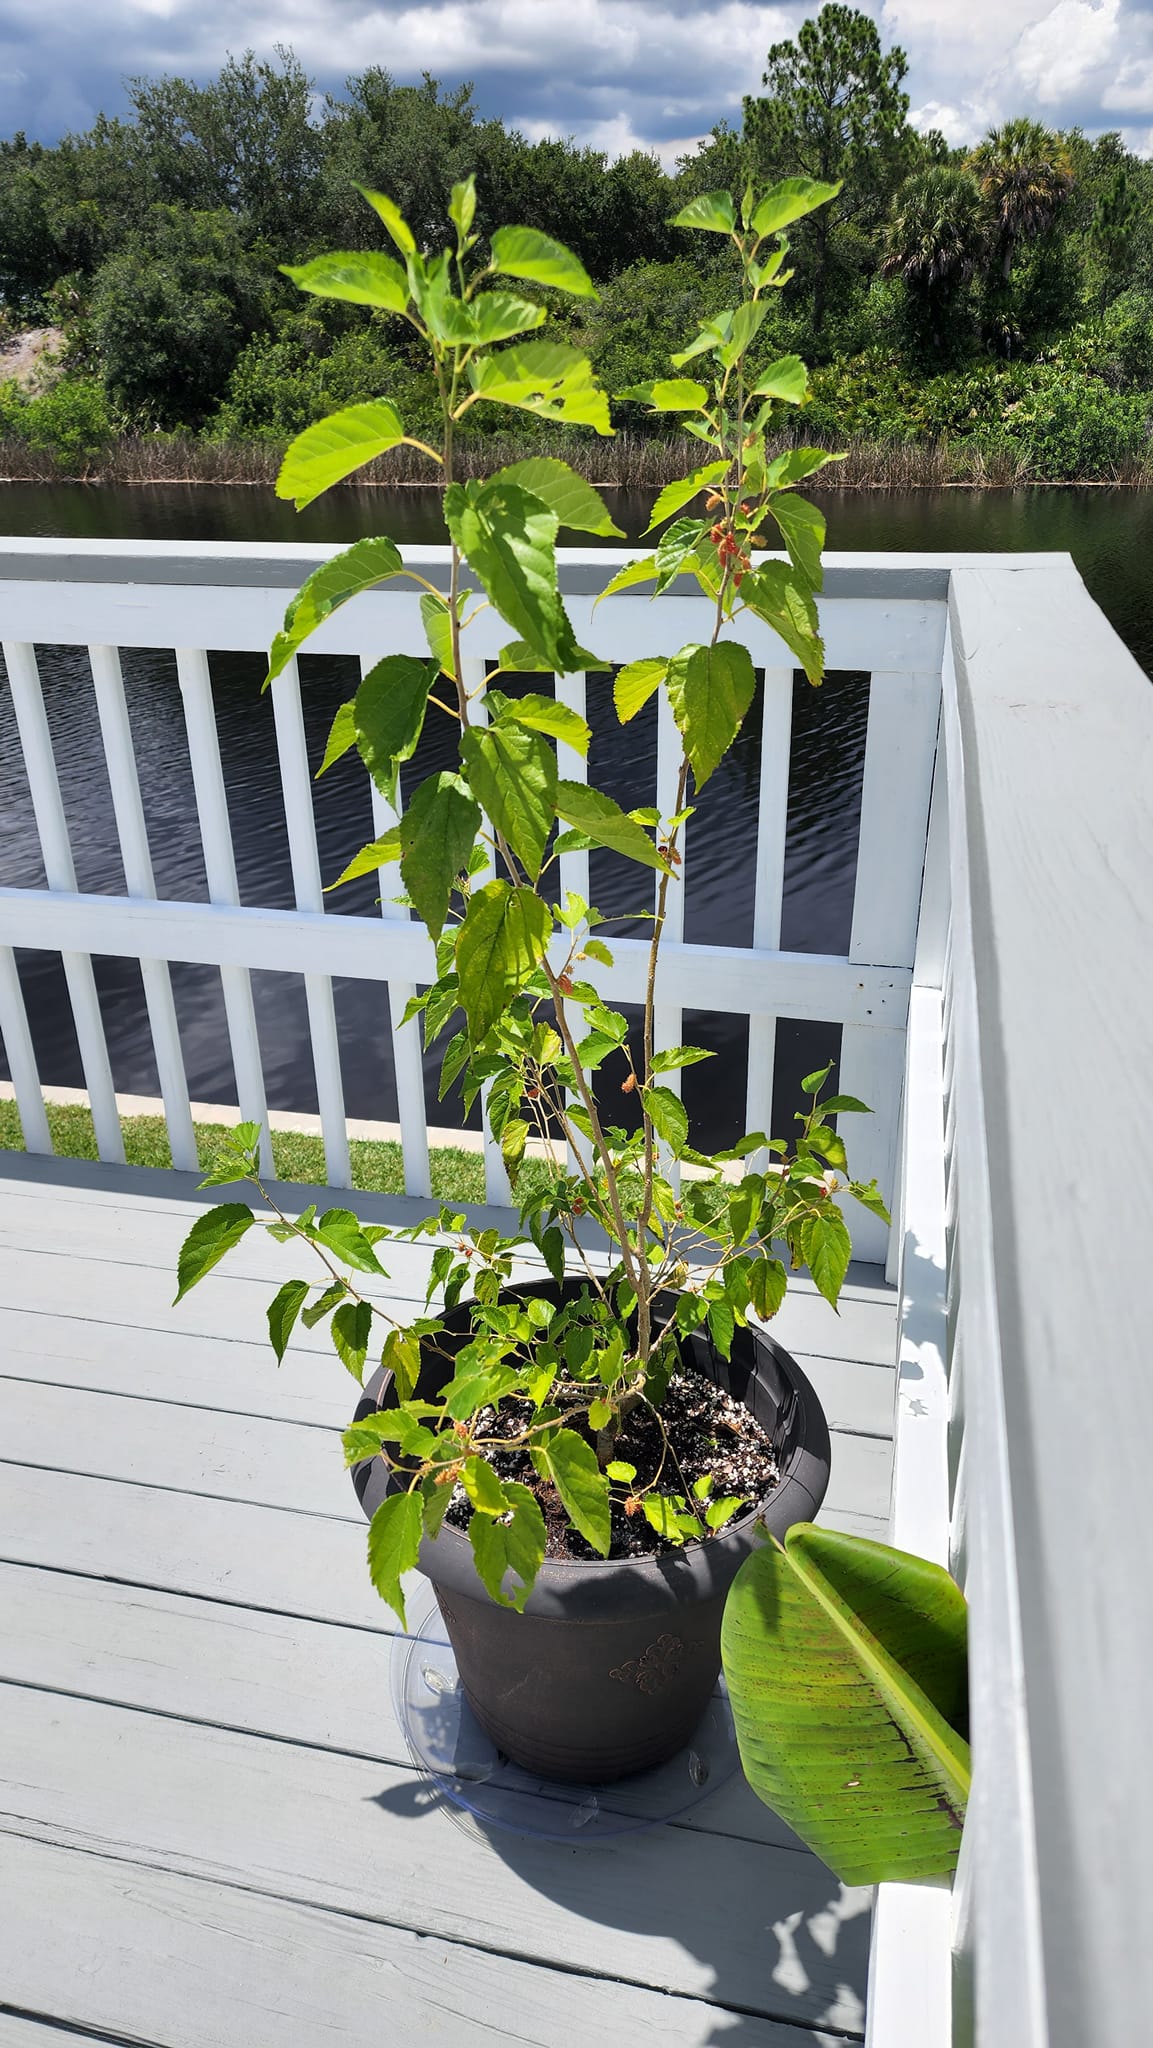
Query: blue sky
[[616, 73]]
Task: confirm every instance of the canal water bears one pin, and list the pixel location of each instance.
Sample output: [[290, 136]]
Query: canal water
[[1109, 533]]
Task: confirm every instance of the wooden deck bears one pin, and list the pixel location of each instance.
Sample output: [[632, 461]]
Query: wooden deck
[[212, 1831]]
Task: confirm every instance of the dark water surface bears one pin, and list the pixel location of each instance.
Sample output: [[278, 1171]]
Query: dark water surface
[[1109, 533]]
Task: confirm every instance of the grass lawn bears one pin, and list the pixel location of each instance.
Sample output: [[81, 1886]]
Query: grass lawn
[[377, 1164]]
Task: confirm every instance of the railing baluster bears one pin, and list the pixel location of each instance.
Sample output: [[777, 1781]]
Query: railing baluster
[[407, 1062], [220, 867], [497, 1189], [59, 868], [768, 885], [574, 867], [136, 855], [22, 1057], [668, 1020], [296, 784]]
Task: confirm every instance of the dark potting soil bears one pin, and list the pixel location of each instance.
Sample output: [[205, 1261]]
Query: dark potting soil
[[708, 1432]]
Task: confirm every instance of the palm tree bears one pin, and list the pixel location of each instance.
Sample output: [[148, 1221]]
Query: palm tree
[[1025, 173], [936, 237]]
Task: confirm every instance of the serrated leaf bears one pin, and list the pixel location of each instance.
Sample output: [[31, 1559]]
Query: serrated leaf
[[545, 714], [500, 316], [670, 1118], [401, 1357], [782, 598], [325, 453], [634, 685], [483, 1487], [786, 379], [512, 773], [508, 536], [525, 252], [837, 1104], [362, 277], [669, 394], [870, 1197], [791, 200], [211, 1236], [803, 529], [389, 711], [377, 854], [437, 832], [394, 1546], [283, 1310], [618, 1469], [341, 737], [711, 210], [710, 690], [513, 1544], [576, 504], [686, 488], [462, 206], [722, 1324], [827, 1248], [679, 1056], [504, 936], [768, 1285], [721, 1511], [356, 569], [643, 570], [437, 621], [572, 1466], [595, 949], [677, 550], [796, 464], [342, 1233], [324, 1303], [812, 1084], [845, 1662], [351, 1328], [547, 378], [594, 813], [394, 220]]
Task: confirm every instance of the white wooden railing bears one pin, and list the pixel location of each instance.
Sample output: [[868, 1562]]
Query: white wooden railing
[[995, 1002]]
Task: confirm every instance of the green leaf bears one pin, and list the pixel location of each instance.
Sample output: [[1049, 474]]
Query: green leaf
[[283, 1311], [814, 1082], [525, 252], [846, 1668], [363, 277], [786, 379], [595, 949], [827, 1249], [791, 200], [376, 855], [669, 1116], [711, 210], [721, 1511], [782, 598], [624, 1473], [503, 938], [483, 1487], [437, 832], [389, 711], [572, 1466], [722, 1323], [351, 1328], [514, 1544], [513, 775], [462, 206], [509, 538], [768, 1285], [803, 527], [398, 1426], [342, 1233], [594, 813], [679, 1056], [677, 550], [797, 463], [710, 690], [401, 1357], [870, 1197], [685, 490], [318, 1309], [600, 1413], [576, 504], [437, 620], [669, 394], [358, 568], [393, 219], [331, 449], [545, 714], [547, 378], [341, 736], [394, 1546], [643, 570], [210, 1237], [498, 316], [745, 325], [836, 1105], [634, 685], [830, 1146]]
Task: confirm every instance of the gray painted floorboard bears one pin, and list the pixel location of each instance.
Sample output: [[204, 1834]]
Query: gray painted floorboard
[[202, 1778]]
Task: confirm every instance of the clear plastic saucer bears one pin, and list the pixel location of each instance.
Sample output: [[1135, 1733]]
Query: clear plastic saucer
[[463, 1765]]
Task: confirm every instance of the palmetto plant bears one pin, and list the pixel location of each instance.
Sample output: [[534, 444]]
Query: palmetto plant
[[937, 233], [1025, 173]]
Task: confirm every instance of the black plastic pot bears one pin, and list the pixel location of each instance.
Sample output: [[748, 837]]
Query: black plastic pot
[[610, 1667]]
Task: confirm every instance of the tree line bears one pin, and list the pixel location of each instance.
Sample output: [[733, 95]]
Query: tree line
[[997, 297]]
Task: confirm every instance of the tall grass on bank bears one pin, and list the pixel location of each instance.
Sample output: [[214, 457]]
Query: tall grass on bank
[[628, 461]]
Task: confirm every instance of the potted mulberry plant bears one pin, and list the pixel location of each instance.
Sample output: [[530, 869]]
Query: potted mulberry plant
[[581, 1459]]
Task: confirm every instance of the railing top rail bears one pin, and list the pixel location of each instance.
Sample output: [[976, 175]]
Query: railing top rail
[[1055, 726], [583, 571]]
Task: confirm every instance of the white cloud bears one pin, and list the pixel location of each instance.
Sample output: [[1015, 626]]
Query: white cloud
[[1061, 56]]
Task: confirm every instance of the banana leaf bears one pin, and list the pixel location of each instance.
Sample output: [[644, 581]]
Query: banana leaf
[[846, 1667]]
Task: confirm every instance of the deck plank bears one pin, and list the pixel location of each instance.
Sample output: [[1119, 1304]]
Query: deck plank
[[357, 1836], [151, 1950]]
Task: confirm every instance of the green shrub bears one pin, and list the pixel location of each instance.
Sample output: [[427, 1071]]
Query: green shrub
[[71, 422], [1077, 427], [281, 383]]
